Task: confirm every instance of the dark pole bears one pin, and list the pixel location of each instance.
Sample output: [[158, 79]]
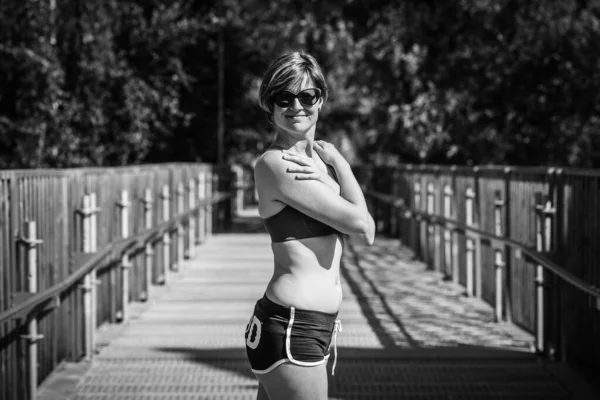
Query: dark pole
[[221, 104]]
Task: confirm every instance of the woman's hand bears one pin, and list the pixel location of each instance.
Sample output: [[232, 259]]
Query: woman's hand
[[305, 168], [328, 152]]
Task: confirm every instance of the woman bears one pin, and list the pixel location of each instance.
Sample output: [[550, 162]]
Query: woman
[[309, 200]]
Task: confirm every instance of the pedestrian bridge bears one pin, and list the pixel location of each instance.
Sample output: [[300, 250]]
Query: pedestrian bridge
[[162, 279]]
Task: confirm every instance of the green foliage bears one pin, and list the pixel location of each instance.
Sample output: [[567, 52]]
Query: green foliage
[[469, 81]]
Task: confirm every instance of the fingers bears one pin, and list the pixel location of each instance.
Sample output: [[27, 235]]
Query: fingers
[[322, 146], [322, 143], [298, 159], [302, 170], [305, 177], [319, 149], [303, 173]]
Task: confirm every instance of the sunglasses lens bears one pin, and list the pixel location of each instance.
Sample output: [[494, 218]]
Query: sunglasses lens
[[284, 99], [306, 97]]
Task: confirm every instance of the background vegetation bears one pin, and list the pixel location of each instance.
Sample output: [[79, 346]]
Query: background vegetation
[[89, 83]]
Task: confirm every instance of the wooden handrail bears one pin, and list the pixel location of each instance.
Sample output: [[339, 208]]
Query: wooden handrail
[[538, 257], [121, 247]]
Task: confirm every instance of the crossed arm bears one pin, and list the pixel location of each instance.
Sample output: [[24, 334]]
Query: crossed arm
[[296, 180]]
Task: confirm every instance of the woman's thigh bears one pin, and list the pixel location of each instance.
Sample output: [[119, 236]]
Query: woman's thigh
[[294, 382]]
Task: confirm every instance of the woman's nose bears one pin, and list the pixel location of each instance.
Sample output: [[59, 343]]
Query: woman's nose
[[296, 105]]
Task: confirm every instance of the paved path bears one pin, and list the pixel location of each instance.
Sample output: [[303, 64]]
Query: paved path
[[407, 334]]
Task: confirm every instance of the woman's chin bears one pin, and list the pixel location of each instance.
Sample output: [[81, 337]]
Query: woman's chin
[[300, 124], [296, 129]]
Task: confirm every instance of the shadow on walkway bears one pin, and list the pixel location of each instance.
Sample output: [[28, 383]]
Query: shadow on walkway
[[437, 373], [366, 308]]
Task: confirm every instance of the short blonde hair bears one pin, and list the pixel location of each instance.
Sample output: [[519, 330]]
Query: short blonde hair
[[287, 72]]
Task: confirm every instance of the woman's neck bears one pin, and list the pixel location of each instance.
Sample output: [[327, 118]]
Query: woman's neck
[[303, 146]]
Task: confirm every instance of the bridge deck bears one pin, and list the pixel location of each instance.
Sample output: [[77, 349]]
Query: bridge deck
[[407, 334]]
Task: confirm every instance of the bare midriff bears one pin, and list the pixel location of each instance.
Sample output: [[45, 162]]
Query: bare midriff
[[306, 273]]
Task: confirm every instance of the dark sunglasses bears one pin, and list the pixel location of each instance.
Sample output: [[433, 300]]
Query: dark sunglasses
[[307, 97]]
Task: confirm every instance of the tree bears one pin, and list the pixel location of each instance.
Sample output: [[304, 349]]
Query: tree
[[470, 81]]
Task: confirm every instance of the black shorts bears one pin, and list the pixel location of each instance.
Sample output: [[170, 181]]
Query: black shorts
[[278, 334]]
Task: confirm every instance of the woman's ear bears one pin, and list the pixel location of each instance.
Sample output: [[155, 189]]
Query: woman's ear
[[269, 117]]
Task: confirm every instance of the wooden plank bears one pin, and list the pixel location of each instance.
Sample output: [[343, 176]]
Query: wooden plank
[[5, 280]]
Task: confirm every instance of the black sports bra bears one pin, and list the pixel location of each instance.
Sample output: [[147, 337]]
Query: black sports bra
[[291, 224]]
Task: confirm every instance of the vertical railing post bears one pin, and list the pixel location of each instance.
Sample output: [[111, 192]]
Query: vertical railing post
[[417, 190], [544, 220], [478, 253], [94, 248], [94, 225], [148, 250], [448, 242], [191, 240], [417, 208], [238, 186], [202, 211], [456, 264], [431, 252], [498, 257], [553, 224], [86, 224], [87, 280], [470, 243], [394, 214], [508, 251], [124, 206], [180, 193], [89, 244], [437, 228], [209, 206], [166, 239], [32, 337], [217, 209], [559, 324], [539, 276]]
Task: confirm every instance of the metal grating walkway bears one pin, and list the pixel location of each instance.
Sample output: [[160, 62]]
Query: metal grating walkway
[[407, 335]]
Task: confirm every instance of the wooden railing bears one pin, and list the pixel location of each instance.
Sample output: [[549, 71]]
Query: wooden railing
[[525, 240], [77, 246]]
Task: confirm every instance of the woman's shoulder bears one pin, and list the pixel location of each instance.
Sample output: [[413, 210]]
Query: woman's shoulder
[[269, 162], [269, 173]]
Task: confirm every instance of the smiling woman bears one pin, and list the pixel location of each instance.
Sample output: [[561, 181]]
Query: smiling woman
[[310, 202]]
